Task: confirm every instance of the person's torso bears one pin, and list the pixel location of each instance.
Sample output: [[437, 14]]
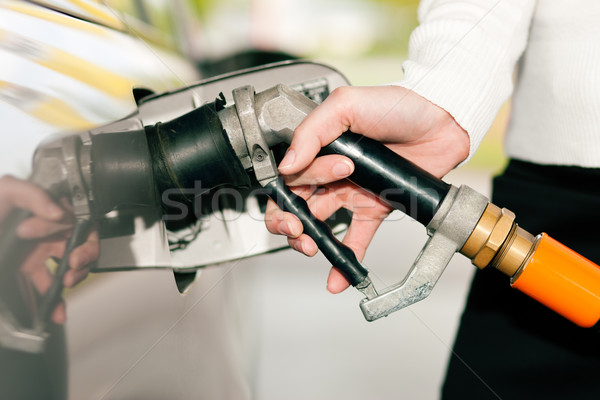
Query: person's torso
[[556, 103]]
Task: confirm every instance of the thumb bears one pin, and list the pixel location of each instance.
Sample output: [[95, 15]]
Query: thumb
[[321, 127]]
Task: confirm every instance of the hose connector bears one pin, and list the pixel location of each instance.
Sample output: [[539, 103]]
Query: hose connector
[[498, 241], [539, 266]]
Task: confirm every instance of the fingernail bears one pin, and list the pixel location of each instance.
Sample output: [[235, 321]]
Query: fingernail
[[286, 228], [343, 169], [288, 160]]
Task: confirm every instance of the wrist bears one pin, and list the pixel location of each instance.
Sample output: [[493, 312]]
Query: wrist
[[439, 143]]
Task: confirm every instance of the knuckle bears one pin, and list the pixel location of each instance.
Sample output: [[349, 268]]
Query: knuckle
[[340, 93], [295, 244], [272, 225], [6, 180]]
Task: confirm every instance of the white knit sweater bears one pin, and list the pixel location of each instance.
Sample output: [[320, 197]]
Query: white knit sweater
[[463, 56]]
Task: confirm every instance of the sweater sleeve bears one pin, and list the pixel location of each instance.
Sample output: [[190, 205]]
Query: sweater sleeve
[[462, 57]]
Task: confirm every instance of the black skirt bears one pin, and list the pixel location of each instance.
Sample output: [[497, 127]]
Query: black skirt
[[509, 346]]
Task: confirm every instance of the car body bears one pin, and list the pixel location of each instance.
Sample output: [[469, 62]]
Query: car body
[[133, 331]]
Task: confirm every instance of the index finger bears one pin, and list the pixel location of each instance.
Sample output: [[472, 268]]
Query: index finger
[[322, 126]]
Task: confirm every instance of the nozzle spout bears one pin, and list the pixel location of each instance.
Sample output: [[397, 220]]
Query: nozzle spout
[[367, 288]]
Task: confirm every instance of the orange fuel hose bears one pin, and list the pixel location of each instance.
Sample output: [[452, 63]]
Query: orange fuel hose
[[563, 280]]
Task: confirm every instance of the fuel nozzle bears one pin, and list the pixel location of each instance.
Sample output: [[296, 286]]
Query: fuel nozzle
[[538, 266], [458, 219]]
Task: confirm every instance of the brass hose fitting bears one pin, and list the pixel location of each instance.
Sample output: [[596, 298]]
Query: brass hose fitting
[[499, 242]]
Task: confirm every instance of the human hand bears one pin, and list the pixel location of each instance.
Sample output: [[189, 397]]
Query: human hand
[[47, 228], [407, 123]]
